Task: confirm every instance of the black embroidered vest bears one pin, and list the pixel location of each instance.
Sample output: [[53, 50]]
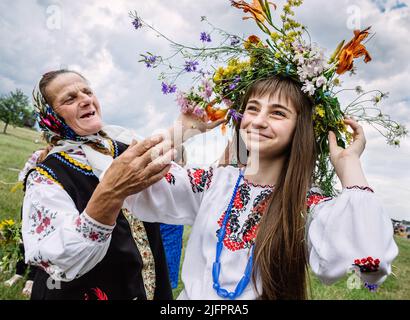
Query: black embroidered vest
[[118, 274]]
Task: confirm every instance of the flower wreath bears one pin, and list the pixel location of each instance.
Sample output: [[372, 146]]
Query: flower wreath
[[219, 92]]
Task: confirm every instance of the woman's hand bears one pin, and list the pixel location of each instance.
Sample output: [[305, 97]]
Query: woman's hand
[[140, 166], [189, 125], [347, 161], [201, 125]]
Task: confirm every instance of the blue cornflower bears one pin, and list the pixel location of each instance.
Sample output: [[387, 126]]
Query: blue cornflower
[[232, 86], [190, 66], [137, 23], [205, 37], [168, 88], [371, 287], [235, 40], [149, 60], [234, 83], [172, 88], [235, 115]]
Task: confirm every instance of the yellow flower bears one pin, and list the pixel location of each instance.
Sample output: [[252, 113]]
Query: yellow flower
[[318, 129], [320, 111], [6, 224], [274, 36], [219, 75], [341, 126], [336, 81], [349, 137]]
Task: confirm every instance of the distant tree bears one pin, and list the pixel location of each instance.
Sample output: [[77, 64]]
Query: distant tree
[[29, 118], [15, 109]]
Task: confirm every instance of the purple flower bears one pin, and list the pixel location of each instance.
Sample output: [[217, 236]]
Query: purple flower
[[371, 287], [235, 115], [234, 83], [168, 88], [182, 101], [149, 60], [137, 23], [232, 86], [207, 89], [199, 112], [227, 102], [165, 88], [235, 40], [190, 66], [205, 37], [172, 88]]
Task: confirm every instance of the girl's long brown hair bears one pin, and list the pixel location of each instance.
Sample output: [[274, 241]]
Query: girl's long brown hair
[[280, 258]]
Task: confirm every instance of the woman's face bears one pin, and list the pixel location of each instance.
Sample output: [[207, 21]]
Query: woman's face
[[73, 100], [268, 125]]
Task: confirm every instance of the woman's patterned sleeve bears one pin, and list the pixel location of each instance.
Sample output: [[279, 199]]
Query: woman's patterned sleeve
[[173, 200], [57, 237]]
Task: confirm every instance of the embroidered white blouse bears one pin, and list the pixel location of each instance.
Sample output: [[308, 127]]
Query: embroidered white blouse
[[59, 239], [340, 231], [67, 243]]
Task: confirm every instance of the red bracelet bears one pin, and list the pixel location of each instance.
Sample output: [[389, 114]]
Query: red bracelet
[[361, 188]]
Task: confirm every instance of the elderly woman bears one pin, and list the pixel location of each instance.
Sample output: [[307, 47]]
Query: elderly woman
[[74, 227]]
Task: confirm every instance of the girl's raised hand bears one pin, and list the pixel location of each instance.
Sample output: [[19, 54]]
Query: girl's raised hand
[[347, 161], [355, 149]]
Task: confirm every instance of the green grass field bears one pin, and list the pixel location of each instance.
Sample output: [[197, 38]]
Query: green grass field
[[18, 145]]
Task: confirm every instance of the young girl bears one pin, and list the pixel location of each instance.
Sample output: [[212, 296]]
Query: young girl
[[254, 230]]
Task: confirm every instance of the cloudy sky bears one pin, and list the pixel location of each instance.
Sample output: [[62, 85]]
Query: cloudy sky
[[96, 38]]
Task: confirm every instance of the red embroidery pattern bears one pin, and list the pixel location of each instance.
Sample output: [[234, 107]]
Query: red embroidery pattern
[[170, 178], [367, 264], [98, 293], [315, 198], [37, 178], [90, 230], [47, 266], [200, 179], [40, 220], [250, 226], [237, 237]]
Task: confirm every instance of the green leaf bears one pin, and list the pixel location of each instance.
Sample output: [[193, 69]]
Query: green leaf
[[267, 11]]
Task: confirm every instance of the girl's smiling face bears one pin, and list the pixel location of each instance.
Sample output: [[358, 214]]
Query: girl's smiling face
[[268, 124]]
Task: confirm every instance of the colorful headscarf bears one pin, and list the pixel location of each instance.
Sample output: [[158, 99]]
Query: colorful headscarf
[[51, 124], [63, 138]]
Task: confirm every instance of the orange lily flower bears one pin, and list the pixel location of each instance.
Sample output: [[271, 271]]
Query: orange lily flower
[[252, 40], [255, 9], [353, 49], [215, 114]]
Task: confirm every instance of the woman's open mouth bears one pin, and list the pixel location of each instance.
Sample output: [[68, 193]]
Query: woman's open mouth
[[88, 115]]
